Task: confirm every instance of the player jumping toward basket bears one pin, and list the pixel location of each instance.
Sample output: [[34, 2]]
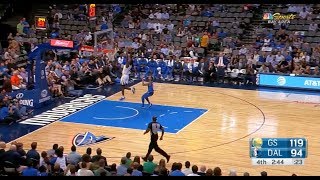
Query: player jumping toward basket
[[124, 81], [150, 91]]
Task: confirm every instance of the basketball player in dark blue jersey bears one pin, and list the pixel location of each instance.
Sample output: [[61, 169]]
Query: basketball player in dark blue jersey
[[150, 91]]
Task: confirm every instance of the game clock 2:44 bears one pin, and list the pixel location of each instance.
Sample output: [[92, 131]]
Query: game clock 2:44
[[277, 162]]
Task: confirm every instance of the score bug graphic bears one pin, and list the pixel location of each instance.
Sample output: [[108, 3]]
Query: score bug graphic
[[278, 151]]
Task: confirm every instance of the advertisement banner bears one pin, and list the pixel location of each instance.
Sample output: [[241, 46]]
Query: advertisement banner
[[286, 81], [61, 43], [31, 98]]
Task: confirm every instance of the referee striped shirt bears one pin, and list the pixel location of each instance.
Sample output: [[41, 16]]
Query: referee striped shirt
[[154, 127]]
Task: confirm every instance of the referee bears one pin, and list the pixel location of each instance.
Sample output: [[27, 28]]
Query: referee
[[154, 127]]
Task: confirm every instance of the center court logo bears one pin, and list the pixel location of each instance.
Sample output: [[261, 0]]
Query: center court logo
[[89, 139], [281, 81]]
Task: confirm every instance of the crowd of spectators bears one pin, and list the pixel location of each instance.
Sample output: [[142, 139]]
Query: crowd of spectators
[[57, 162], [166, 41], [13, 74], [150, 34]]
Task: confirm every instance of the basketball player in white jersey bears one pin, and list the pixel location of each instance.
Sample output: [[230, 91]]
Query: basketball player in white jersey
[[124, 81]]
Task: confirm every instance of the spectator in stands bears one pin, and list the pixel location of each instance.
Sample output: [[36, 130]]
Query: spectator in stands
[[180, 32], [122, 168], [19, 110], [221, 63], [177, 171], [304, 13], [243, 50], [43, 171], [71, 170], [128, 160], [16, 81], [313, 26], [84, 171], [186, 171], [54, 34], [44, 160], [283, 66], [129, 172], [194, 171], [264, 173], [73, 157], [209, 172], [113, 169], [149, 166], [7, 115], [23, 27], [101, 169], [61, 160], [14, 157], [233, 172], [30, 170], [204, 43], [32, 153], [89, 152], [186, 21], [99, 156], [52, 151], [135, 171], [86, 158], [316, 71], [161, 168], [202, 171], [217, 171], [104, 26], [20, 149], [14, 46], [6, 87], [57, 171], [23, 74], [137, 160], [263, 69]]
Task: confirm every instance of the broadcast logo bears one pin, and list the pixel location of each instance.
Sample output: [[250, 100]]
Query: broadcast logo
[[89, 139], [267, 16], [278, 18]]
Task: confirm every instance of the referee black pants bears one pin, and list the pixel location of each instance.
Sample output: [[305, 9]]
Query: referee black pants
[[154, 145]]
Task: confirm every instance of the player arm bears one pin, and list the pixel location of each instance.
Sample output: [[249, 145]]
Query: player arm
[[162, 132], [148, 129], [145, 83]]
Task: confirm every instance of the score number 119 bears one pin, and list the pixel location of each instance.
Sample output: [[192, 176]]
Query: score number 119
[[296, 143]]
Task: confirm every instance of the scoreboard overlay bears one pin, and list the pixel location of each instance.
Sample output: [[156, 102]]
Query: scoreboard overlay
[[278, 151]]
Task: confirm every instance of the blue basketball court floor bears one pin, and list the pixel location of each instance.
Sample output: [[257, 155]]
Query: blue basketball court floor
[[131, 115]]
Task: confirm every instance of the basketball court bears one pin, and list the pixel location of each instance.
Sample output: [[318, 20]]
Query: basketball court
[[205, 125]]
